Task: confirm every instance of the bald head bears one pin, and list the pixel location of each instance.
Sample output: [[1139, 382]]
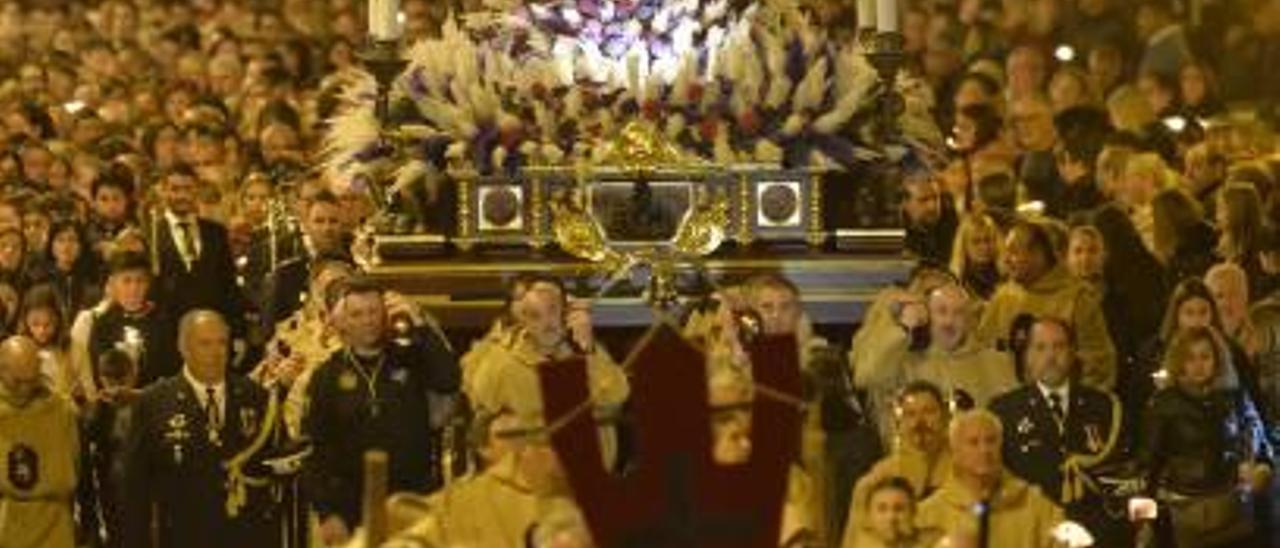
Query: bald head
[[20, 367], [204, 341]]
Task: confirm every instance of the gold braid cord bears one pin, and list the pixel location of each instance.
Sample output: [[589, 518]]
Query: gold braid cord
[[237, 482], [1075, 475]]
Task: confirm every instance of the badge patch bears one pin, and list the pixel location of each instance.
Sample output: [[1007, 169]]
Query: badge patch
[[24, 467], [347, 381], [400, 375]]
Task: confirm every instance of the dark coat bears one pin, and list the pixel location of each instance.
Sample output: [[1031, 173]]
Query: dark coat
[[345, 419], [283, 292], [258, 267], [210, 283], [1194, 255], [175, 475], [934, 242], [1193, 445]]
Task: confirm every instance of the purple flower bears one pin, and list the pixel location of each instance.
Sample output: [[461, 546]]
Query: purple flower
[[417, 84], [590, 9]]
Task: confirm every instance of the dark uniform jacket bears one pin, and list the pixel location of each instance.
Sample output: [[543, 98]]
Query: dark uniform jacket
[[1034, 446], [283, 292], [346, 417], [210, 283], [1035, 449], [158, 356], [258, 266], [177, 476]]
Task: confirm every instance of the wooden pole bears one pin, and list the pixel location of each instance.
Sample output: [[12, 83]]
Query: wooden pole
[[375, 497]]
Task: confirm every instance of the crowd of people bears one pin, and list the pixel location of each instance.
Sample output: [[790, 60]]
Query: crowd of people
[[193, 356]]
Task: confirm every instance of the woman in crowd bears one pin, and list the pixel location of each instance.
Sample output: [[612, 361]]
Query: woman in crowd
[[74, 273], [1145, 175], [1086, 255], [42, 321], [1201, 445], [975, 256], [1161, 92], [15, 267], [980, 148], [1199, 89], [1191, 305], [1182, 240], [1239, 223], [253, 199], [1070, 88]]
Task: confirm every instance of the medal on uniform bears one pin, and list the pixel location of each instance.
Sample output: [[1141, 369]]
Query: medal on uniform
[[347, 381], [1093, 438], [177, 434], [1025, 426], [248, 421]]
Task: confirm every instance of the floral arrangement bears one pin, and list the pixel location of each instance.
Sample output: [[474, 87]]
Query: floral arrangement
[[549, 82]]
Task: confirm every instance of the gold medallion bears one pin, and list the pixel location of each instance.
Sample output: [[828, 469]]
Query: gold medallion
[[347, 381]]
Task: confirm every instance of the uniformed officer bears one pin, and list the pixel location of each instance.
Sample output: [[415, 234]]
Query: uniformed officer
[[39, 445], [193, 438], [374, 393], [1058, 431]]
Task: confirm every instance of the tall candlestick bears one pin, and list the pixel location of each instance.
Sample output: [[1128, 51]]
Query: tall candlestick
[[384, 24], [887, 15], [866, 14]]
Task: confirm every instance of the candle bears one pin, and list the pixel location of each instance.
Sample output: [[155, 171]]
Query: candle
[[866, 14], [384, 24], [887, 15]]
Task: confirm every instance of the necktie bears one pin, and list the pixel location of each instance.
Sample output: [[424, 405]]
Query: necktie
[[983, 511], [190, 253], [211, 414], [1056, 406]]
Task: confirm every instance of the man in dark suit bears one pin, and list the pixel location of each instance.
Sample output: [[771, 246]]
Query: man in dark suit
[[194, 267], [286, 288], [193, 438], [1058, 432]]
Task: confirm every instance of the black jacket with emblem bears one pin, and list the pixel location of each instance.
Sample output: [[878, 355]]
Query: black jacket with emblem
[[346, 418], [157, 357], [1064, 461], [177, 477]]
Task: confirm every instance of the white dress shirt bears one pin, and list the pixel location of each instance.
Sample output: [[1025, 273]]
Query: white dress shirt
[[175, 228], [202, 395]]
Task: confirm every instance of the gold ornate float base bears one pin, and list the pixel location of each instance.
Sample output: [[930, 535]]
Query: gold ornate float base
[[467, 291]]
